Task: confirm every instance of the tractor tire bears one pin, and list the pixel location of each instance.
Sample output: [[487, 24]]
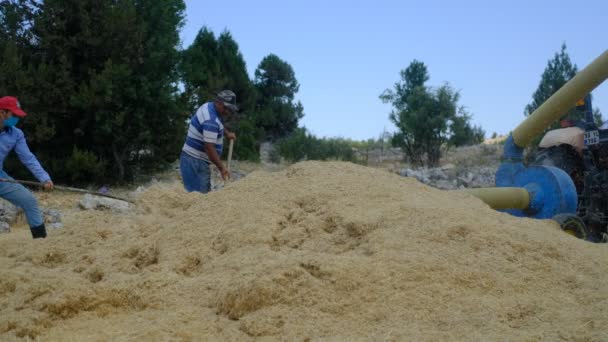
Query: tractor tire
[[573, 225]]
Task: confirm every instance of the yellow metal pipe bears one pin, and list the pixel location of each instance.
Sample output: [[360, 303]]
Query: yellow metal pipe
[[560, 102], [502, 197]]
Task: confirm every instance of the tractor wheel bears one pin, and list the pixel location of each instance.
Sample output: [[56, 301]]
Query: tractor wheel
[[573, 225]]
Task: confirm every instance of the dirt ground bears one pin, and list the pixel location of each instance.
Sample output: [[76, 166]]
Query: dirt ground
[[316, 251]]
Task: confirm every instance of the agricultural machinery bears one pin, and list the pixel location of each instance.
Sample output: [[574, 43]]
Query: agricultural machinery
[[567, 179]]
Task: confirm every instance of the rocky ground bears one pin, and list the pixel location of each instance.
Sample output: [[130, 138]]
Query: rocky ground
[[466, 167]]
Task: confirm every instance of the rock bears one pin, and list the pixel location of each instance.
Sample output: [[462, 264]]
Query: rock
[[56, 225], [446, 184], [418, 174], [269, 153], [5, 227], [405, 173], [90, 202], [463, 181], [8, 212], [52, 218], [437, 173], [452, 177], [469, 176], [52, 215]]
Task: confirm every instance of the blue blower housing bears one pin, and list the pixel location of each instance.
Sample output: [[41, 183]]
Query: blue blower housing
[[551, 190]]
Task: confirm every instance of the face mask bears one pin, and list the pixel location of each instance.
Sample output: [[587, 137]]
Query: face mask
[[10, 122]]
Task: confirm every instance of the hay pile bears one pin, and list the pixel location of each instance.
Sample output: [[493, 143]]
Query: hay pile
[[317, 251]]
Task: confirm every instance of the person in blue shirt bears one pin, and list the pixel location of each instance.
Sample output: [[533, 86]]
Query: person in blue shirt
[[205, 142], [12, 138]]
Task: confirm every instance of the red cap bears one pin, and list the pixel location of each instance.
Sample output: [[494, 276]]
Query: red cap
[[11, 103]]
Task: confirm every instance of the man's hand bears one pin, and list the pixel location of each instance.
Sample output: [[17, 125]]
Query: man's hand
[[230, 136], [225, 173], [48, 185]]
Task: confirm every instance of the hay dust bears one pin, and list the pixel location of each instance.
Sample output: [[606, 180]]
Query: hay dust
[[316, 251]]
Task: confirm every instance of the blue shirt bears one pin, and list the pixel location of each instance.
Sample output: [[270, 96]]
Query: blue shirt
[[206, 126], [13, 138]]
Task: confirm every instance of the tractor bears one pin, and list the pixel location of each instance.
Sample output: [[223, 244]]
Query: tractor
[[567, 179], [580, 148]]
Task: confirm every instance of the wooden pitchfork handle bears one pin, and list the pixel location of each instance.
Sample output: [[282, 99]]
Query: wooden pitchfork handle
[[230, 146], [65, 188]]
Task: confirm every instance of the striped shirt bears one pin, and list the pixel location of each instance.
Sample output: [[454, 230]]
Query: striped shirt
[[206, 126]]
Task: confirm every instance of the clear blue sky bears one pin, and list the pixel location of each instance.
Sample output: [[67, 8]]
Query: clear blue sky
[[345, 53]]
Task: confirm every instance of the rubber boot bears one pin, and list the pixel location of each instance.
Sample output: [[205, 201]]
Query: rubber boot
[[38, 232]]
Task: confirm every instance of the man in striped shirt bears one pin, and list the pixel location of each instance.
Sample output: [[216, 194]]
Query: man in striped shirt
[[205, 141]]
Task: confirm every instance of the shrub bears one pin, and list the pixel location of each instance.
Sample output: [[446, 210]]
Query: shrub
[[84, 166]]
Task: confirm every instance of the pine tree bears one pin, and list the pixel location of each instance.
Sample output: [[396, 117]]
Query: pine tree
[[200, 69], [559, 70], [101, 87], [462, 132], [277, 112]]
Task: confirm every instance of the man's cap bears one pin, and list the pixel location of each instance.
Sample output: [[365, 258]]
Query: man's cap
[[10, 103], [229, 99]]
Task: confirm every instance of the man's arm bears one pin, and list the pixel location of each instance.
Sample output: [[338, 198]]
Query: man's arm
[[229, 134], [215, 159], [29, 160]]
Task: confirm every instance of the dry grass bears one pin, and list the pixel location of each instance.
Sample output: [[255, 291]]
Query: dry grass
[[318, 251]]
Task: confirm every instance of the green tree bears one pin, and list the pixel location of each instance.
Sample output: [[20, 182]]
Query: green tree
[[101, 82], [16, 20], [422, 114], [236, 78], [200, 69], [558, 71], [296, 146], [234, 67], [462, 132], [18, 56], [301, 145], [247, 145], [209, 65], [276, 112], [597, 117]]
